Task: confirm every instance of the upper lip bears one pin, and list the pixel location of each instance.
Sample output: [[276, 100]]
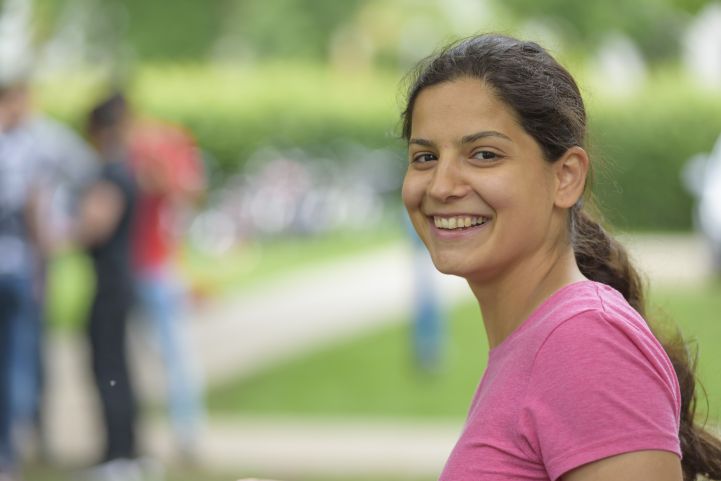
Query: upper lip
[[448, 216]]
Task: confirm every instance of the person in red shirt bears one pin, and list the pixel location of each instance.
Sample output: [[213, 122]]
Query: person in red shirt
[[169, 172]]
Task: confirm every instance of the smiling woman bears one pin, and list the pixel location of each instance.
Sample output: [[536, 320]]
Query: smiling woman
[[462, 131], [577, 386]]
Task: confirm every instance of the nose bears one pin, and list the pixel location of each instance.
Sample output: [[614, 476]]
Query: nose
[[448, 181]]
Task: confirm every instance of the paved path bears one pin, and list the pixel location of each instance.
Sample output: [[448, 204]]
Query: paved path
[[277, 321]]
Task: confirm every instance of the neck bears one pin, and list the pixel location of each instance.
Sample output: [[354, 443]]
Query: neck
[[507, 301]]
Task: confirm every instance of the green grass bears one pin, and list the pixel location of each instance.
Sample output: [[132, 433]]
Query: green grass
[[44, 473], [48, 473], [373, 375], [258, 262], [70, 275], [697, 313]]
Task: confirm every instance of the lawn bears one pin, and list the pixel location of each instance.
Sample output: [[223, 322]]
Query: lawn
[[70, 274], [41, 473], [373, 375], [47, 473]]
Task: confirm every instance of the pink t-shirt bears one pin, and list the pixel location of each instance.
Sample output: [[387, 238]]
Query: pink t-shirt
[[583, 378]]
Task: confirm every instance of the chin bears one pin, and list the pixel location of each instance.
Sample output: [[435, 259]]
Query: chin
[[478, 273], [452, 267]]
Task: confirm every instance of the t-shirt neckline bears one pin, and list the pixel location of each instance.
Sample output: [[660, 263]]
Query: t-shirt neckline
[[538, 312]]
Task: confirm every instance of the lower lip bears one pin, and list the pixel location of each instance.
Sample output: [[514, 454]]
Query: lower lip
[[457, 233]]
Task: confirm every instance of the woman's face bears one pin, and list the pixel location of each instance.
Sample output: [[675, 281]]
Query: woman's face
[[477, 189]]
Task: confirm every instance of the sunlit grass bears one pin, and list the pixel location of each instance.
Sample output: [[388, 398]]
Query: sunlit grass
[[176, 473], [374, 375], [256, 262], [697, 312], [70, 275]]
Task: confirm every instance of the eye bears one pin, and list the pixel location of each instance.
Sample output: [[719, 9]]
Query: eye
[[485, 155], [423, 157]]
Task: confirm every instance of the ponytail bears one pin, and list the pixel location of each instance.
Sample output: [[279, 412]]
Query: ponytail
[[602, 258]]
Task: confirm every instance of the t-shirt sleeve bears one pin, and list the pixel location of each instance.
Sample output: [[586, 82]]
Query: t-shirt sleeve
[[599, 388]]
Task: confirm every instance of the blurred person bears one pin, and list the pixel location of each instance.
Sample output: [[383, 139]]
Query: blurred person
[[17, 203], [168, 169], [577, 386], [59, 160], [428, 319], [106, 214], [702, 176]]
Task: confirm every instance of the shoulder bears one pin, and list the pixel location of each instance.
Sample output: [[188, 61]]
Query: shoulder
[[606, 342], [600, 385], [576, 313], [600, 324]]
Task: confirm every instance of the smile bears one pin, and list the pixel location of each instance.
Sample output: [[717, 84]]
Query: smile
[[458, 222]]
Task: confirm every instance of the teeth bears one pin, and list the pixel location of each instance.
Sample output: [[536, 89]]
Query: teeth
[[458, 222]]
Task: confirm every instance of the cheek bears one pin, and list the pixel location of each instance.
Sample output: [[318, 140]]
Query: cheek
[[499, 192], [526, 190], [412, 192]]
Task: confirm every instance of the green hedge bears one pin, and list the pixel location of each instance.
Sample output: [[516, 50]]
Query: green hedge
[[235, 111], [640, 145]]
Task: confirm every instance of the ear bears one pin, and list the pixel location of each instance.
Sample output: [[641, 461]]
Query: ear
[[570, 171]]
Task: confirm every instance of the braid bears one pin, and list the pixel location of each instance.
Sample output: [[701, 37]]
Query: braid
[[602, 258]]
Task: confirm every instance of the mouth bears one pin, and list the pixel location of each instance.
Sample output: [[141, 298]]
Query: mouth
[[458, 223]]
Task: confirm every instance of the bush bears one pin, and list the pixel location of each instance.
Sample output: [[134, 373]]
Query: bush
[[643, 146], [643, 142], [235, 111]]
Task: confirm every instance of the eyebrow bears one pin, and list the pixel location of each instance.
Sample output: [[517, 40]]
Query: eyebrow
[[466, 139]]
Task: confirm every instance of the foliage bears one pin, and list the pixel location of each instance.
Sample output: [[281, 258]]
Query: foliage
[[642, 146], [640, 143], [373, 375], [289, 28], [656, 25], [293, 29], [181, 29], [189, 30], [234, 111]]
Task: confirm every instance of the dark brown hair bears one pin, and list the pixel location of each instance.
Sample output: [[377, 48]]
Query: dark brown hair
[[547, 103], [108, 113]]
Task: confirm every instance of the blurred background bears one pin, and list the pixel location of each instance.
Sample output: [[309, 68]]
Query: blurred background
[[315, 341]]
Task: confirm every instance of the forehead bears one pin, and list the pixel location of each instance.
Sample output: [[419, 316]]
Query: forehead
[[461, 106]]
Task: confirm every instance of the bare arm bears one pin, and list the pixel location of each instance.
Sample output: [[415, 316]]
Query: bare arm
[[635, 466], [100, 211]]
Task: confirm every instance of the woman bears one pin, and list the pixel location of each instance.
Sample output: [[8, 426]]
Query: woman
[[577, 387], [106, 215]]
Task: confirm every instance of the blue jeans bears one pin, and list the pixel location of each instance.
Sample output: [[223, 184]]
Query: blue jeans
[[26, 360], [161, 298], [16, 312], [428, 322]]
